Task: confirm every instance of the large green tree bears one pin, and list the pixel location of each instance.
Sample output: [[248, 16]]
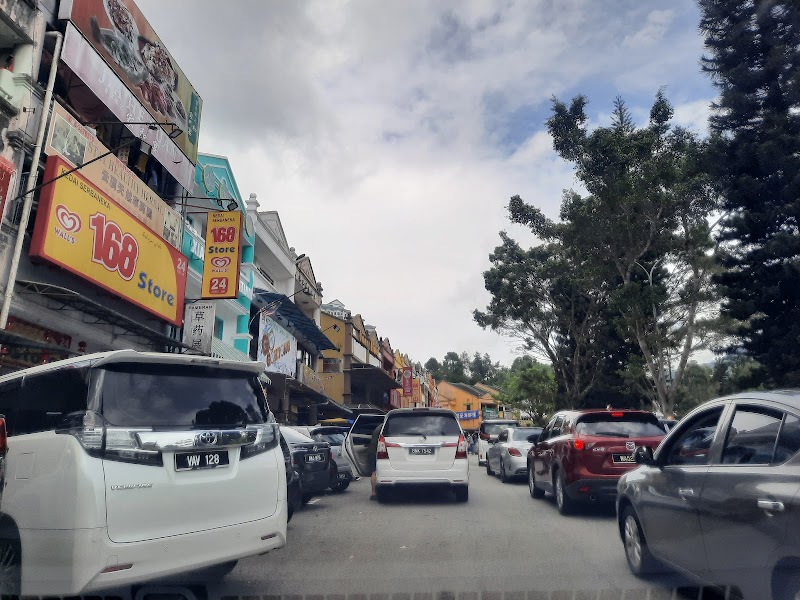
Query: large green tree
[[531, 388], [753, 57], [641, 231]]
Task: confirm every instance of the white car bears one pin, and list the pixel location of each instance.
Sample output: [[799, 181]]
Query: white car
[[417, 446], [489, 431], [122, 467]]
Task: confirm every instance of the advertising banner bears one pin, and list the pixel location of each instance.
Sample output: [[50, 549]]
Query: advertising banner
[[222, 256], [407, 379], [468, 415], [416, 396], [119, 33], [6, 175], [276, 347], [76, 145], [311, 378], [87, 64], [491, 413], [85, 232], [394, 398], [198, 325], [21, 358]]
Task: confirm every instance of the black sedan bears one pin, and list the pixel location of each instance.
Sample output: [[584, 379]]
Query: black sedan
[[719, 500], [312, 461], [294, 487]]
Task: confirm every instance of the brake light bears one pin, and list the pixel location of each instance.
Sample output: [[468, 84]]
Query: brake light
[[484, 436], [382, 452], [461, 449], [514, 452], [579, 444], [617, 414], [3, 436]]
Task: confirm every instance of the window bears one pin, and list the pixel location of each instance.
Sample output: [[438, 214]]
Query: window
[[556, 431], [752, 437], [628, 426], [788, 440], [421, 424], [503, 437], [524, 433], [693, 446], [154, 395], [219, 325], [467, 407]]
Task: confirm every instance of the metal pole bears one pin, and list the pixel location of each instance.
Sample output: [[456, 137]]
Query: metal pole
[[31, 183]]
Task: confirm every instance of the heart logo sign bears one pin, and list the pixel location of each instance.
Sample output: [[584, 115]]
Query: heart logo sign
[[221, 262], [68, 220]]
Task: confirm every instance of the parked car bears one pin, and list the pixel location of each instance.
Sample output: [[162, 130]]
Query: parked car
[[581, 454], [508, 456], [134, 453], [294, 483], [719, 500], [417, 446], [333, 435], [488, 431], [312, 460]]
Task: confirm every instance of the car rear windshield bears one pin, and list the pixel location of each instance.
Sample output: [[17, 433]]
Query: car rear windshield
[[295, 437], [522, 434], [185, 396], [421, 424], [334, 438], [629, 425], [496, 428]]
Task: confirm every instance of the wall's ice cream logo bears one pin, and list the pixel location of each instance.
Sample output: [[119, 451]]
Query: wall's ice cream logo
[[220, 263], [69, 221]]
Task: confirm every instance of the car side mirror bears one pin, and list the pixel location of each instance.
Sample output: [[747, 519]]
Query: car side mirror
[[644, 456]]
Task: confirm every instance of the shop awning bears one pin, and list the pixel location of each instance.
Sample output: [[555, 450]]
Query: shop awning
[[292, 318], [366, 409], [372, 376], [10, 339], [219, 349], [56, 297]]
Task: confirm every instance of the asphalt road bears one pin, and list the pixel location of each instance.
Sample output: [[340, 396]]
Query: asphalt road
[[501, 545]]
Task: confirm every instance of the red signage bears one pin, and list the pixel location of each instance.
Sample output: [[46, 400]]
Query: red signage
[[6, 174], [408, 378]]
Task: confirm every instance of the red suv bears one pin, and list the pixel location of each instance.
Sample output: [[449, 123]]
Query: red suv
[[581, 454]]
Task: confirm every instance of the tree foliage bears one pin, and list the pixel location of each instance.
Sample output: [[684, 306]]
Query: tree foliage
[[753, 57], [530, 387]]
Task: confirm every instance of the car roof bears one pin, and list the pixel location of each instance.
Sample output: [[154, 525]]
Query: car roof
[[789, 397], [499, 421], [420, 411], [100, 359]]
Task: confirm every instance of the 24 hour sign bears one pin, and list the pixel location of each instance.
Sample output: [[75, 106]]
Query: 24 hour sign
[[223, 251]]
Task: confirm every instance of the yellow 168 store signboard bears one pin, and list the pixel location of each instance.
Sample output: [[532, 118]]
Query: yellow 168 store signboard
[[83, 231]]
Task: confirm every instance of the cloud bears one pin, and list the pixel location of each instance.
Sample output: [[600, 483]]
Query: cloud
[[390, 135]]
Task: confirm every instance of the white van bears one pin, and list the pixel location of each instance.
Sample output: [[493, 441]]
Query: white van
[[122, 467]]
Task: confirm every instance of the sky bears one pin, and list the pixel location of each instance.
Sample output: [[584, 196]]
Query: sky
[[389, 136]]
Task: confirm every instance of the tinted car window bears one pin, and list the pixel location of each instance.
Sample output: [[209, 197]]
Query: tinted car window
[[421, 424], [629, 425], [751, 438], [503, 437], [46, 399], [523, 433], [494, 428], [788, 440], [147, 395], [334, 439], [693, 446]]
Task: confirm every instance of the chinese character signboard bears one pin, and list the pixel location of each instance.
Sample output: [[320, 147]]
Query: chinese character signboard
[[84, 231], [276, 347], [416, 396], [76, 145], [118, 31], [198, 326], [468, 415], [408, 377], [17, 357], [223, 250]]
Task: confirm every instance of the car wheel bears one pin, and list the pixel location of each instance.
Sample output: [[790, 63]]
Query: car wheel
[[10, 566], [462, 494], [503, 475], [640, 561], [382, 494], [489, 468], [532, 489], [340, 486], [563, 501]]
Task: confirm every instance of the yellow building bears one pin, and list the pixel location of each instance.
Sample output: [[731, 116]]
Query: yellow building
[[470, 402]]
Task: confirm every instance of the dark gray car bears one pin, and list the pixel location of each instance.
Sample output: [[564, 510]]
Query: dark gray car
[[335, 437], [719, 500]]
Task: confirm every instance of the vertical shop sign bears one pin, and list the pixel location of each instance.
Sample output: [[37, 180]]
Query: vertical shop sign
[[198, 326], [6, 174], [407, 381], [223, 255]]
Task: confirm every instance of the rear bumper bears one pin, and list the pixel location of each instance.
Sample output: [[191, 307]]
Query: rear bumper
[[458, 475], [345, 469], [315, 482], [593, 490], [69, 562], [517, 466]]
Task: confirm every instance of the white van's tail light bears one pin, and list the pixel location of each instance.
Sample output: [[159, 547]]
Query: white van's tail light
[[382, 452], [266, 438], [461, 449], [110, 443]]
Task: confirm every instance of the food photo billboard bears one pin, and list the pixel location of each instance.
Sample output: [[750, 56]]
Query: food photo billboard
[[85, 232], [119, 33]]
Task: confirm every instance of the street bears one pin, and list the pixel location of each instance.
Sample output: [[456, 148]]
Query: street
[[499, 544]]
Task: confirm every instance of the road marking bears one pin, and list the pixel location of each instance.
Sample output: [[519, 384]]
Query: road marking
[[314, 501]]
